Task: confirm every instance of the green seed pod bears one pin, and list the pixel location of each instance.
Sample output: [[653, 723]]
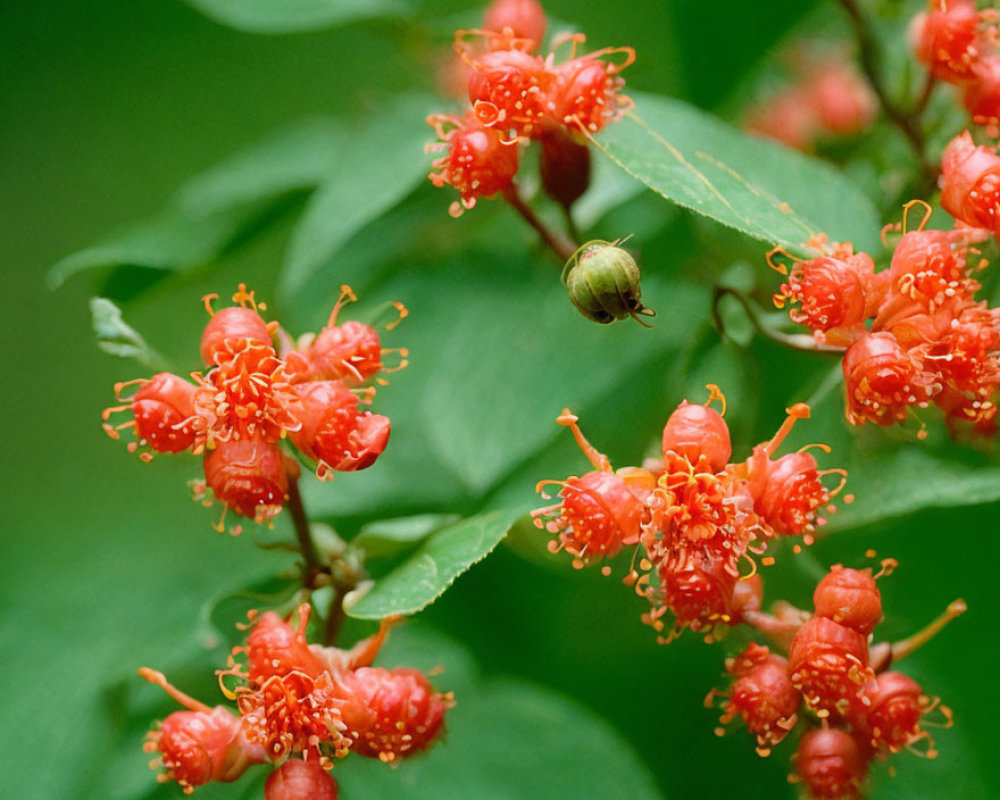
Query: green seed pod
[[603, 283]]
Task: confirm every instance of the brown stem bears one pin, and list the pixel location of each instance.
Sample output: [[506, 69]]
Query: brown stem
[[334, 618], [301, 523], [908, 122], [561, 246], [930, 83], [801, 342]]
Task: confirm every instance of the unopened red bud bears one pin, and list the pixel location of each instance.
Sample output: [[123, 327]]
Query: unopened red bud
[[698, 588], [882, 381], [525, 19], [275, 648], [231, 329], [564, 165], [351, 352], [982, 96], [301, 780], [163, 409], [849, 597], [406, 712], [696, 432], [603, 283], [890, 715], [831, 764], [970, 183], [946, 39], [334, 432], [249, 477], [762, 695], [828, 663]]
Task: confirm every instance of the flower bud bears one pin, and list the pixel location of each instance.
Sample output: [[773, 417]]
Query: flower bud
[[523, 18], [696, 432], [982, 97], [792, 494], [301, 780], [698, 588], [230, 330], [249, 477], [882, 381], [970, 183], [333, 432], [603, 283], [890, 715], [407, 713], [564, 165], [828, 663], [849, 597], [762, 695], [945, 40], [830, 764], [163, 409], [598, 515]]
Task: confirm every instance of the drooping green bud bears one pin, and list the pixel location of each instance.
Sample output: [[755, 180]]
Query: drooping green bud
[[603, 283]]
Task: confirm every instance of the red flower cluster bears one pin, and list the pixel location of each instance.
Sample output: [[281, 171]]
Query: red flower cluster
[[827, 98], [695, 515], [252, 396], [958, 44], [301, 702], [863, 711], [929, 341], [515, 96]]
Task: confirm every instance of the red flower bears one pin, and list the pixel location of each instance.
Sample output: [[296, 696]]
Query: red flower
[[762, 695], [249, 477], [406, 714], [301, 780], [947, 39], [831, 764], [478, 162], [199, 745], [523, 19], [970, 183], [849, 597], [162, 411], [828, 663]]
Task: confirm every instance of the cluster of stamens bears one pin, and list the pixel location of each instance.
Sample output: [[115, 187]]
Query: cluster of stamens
[[516, 96], [696, 520], [957, 43], [296, 702], [252, 396], [912, 335], [832, 685]]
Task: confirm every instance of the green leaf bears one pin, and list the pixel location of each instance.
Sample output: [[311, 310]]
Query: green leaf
[[295, 158], [288, 16], [424, 577], [375, 169], [507, 739], [760, 188], [218, 208], [171, 240], [390, 537], [116, 337]]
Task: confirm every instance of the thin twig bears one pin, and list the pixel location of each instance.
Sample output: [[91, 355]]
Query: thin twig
[[301, 523], [560, 245], [334, 618], [801, 342], [908, 122]]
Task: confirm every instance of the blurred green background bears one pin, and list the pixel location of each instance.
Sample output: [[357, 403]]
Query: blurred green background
[[106, 106]]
